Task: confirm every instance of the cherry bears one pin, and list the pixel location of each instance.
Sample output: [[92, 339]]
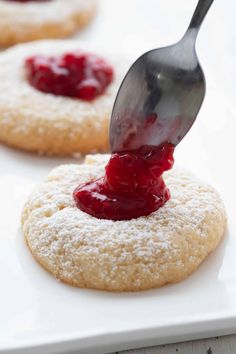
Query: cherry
[[80, 75], [132, 186]]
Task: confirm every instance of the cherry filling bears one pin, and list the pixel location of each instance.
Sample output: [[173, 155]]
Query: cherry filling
[[79, 75], [132, 186]]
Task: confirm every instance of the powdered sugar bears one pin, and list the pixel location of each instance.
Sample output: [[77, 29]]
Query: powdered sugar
[[26, 113], [15, 92], [140, 253], [23, 21]]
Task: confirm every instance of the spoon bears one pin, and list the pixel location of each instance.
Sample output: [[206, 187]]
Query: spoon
[[162, 93]]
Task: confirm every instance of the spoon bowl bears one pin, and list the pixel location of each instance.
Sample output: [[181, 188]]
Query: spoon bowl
[[162, 93]]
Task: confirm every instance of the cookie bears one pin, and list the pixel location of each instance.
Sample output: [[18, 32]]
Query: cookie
[[138, 254], [28, 21], [48, 124]]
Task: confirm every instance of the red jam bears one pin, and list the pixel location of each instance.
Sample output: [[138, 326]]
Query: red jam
[[132, 186], [80, 75]]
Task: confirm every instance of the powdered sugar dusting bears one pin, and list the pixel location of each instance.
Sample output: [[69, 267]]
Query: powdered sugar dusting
[[124, 255], [42, 11], [33, 20], [34, 120]]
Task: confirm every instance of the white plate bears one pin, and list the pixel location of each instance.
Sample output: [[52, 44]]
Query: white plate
[[39, 314]]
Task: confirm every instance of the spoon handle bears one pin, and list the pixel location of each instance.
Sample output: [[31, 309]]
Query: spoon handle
[[199, 14]]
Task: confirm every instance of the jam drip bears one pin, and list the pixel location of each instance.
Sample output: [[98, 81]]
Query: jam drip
[[80, 75], [132, 186]]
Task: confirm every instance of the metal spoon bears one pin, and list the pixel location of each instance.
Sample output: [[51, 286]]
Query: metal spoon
[[161, 95]]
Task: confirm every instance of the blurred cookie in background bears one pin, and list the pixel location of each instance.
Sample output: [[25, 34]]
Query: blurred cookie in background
[[56, 96], [27, 20]]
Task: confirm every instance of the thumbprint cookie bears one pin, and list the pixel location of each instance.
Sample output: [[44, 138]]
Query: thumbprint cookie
[[133, 253], [56, 96], [28, 20]]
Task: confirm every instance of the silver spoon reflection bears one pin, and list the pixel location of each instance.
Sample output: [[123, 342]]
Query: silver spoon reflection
[[161, 95]]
